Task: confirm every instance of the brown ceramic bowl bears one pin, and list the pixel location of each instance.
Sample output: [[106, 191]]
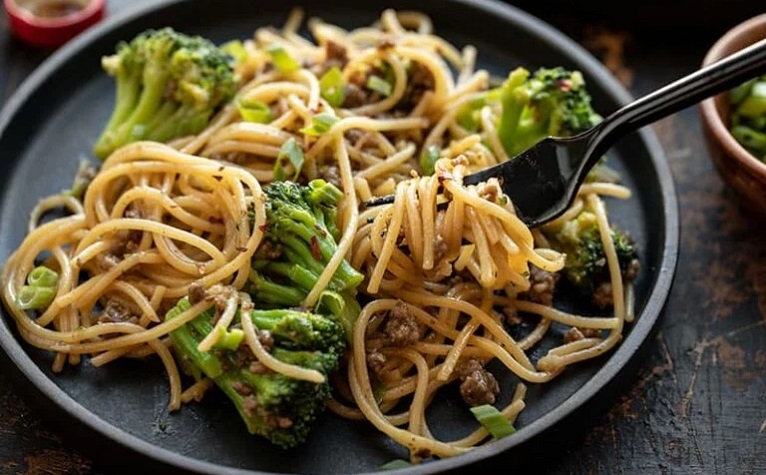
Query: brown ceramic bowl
[[743, 172]]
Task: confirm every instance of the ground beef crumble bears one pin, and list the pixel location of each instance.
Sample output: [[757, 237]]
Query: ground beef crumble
[[116, 311], [602, 296], [478, 386], [196, 292], [401, 328], [542, 286]]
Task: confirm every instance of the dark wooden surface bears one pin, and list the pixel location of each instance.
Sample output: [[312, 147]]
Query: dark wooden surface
[[696, 404]]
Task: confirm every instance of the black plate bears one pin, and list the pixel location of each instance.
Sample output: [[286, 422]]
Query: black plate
[[53, 119]]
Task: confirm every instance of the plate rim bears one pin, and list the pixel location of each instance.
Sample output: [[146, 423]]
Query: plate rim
[[642, 327]]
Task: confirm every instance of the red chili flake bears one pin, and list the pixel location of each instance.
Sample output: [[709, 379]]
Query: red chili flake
[[315, 248], [264, 227]]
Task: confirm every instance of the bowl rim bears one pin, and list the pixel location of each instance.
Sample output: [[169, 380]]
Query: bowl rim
[[709, 111]]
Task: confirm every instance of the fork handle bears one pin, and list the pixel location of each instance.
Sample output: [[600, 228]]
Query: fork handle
[[706, 82]]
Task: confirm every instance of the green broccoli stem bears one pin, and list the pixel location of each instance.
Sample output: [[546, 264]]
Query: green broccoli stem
[[327, 197], [345, 276], [152, 95], [298, 251], [184, 121], [344, 307], [330, 221], [162, 118], [185, 344], [302, 277], [149, 101], [128, 89], [514, 100], [272, 293], [228, 382], [186, 339], [202, 326], [308, 236]]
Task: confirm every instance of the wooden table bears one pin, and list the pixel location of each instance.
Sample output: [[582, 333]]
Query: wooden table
[[697, 402]]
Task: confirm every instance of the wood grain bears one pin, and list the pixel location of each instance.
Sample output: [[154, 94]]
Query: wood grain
[[696, 405]]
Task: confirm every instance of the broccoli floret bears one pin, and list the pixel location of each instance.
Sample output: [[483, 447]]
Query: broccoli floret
[[272, 405], [586, 267], [168, 85], [296, 330], [300, 239], [551, 102]]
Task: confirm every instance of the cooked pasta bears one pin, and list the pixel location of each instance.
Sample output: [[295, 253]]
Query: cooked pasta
[[449, 269]]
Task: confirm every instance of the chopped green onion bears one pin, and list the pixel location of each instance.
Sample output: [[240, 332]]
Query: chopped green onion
[[236, 50], [395, 464], [34, 298], [380, 85], [42, 276], [230, 340], [332, 87], [254, 111], [429, 158], [493, 420], [320, 124], [291, 151], [282, 60]]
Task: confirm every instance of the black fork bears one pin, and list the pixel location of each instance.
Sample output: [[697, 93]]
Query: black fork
[[542, 182]]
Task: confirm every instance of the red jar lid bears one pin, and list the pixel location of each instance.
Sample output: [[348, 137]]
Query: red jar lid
[[51, 23]]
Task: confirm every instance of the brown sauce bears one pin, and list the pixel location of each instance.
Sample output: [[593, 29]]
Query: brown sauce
[[57, 8]]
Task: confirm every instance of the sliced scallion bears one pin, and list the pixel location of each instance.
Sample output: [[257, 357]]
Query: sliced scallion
[[429, 158], [493, 420], [42, 276], [320, 124], [254, 111], [282, 60], [236, 50], [380, 85], [332, 87], [291, 152], [35, 298]]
